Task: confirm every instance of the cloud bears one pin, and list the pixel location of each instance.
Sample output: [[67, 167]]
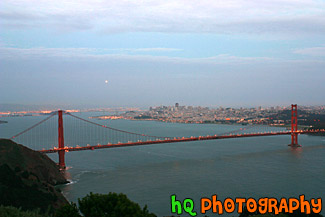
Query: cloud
[[312, 51], [5, 15], [104, 54], [72, 53], [215, 16], [98, 54], [152, 49]]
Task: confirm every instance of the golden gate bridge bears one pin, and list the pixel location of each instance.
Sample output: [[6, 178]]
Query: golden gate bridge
[[101, 136]]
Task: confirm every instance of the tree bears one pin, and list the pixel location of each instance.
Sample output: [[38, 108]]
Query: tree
[[68, 210], [111, 205], [10, 211]]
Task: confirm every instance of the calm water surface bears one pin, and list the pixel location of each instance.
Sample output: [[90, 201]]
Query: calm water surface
[[246, 167]]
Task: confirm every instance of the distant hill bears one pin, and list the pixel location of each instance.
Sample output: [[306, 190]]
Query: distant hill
[[304, 118], [27, 178], [20, 107]]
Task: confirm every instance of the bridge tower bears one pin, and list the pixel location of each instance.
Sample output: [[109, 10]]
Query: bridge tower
[[61, 141], [294, 126]]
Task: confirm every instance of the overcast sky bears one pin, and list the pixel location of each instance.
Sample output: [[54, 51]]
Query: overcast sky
[[207, 52]]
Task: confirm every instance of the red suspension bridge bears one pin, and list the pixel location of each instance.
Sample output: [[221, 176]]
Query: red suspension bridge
[[80, 134]]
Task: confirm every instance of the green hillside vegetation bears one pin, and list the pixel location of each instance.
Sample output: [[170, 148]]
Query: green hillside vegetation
[[104, 205], [10, 211]]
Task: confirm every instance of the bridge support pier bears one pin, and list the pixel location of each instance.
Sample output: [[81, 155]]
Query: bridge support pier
[[61, 141], [294, 126]]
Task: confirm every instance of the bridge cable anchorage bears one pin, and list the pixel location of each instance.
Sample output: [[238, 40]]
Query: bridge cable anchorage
[[35, 125], [114, 129]]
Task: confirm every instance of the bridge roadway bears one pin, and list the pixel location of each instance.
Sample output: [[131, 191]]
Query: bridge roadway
[[173, 140]]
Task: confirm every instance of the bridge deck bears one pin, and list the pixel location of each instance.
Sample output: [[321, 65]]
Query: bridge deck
[[92, 147]]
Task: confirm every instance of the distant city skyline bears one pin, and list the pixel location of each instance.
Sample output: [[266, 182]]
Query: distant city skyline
[[149, 53], [28, 107]]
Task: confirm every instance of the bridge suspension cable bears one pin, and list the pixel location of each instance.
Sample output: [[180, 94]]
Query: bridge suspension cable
[[111, 128], [35, 125]]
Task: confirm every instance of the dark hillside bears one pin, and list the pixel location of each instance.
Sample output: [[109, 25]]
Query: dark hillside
[[27, 179], [21, 158]]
